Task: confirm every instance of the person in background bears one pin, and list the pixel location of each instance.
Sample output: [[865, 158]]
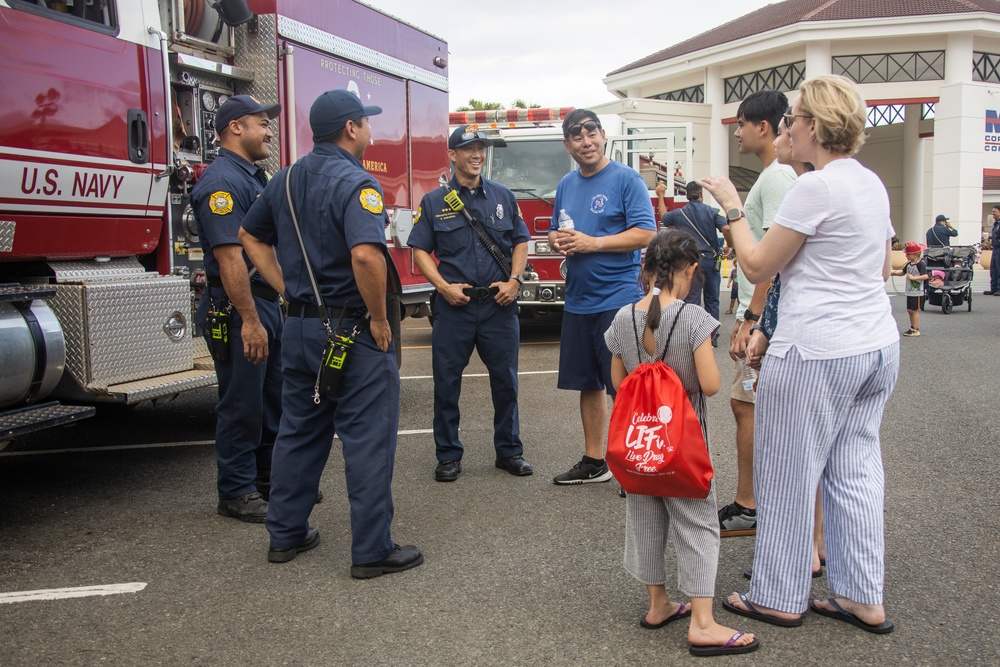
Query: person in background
[[915, 271], [940, 234], [734, 286], [995, 261]]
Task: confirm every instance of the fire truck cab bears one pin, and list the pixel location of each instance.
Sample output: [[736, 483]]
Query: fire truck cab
[[108, 119], [528, 156]]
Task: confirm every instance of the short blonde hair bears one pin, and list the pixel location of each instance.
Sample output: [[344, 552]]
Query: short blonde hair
[[839, 111]]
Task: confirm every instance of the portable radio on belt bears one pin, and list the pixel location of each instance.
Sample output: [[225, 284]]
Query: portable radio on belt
[[218, 328], [331, 369]]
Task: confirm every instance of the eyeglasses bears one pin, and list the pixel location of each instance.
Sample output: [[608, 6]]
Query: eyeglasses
[[589, 126], [469, 136], [790, 119]]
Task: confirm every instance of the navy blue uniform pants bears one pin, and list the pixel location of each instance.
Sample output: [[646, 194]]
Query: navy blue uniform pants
[[995, 270], [493, 330], [708, 283], [365, 416], [249, 408]]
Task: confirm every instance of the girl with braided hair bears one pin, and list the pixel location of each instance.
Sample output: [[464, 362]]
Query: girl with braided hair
[[662, 319]]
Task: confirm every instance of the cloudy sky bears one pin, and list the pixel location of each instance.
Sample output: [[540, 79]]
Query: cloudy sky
[[549, 54]]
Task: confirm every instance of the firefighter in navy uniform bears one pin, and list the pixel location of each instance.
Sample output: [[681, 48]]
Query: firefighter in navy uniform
[[248, 365], [340, 213], [476, 300]]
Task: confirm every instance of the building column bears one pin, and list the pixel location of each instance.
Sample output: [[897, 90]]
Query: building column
[[958, 143], [914, 222], [718, 133], [818, 59]]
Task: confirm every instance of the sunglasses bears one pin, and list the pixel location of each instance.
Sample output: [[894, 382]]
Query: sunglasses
[[589, 126], [469, 136], [790, 119]]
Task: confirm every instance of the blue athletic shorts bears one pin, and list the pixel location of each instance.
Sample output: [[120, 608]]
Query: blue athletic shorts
[[584, 359]]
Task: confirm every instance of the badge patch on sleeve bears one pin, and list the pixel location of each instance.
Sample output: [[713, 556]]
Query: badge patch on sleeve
[[221, 203], [371, 200], [420, 212]]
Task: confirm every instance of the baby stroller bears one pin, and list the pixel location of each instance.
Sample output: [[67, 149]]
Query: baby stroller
[[950, 283]]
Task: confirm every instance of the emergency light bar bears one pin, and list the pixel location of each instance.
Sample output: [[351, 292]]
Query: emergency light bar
[[496, 117]]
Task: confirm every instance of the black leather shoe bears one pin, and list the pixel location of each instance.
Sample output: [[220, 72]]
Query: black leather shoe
[[447, 471], [250, 508], [310, 541], [403, 558], [515, 465]]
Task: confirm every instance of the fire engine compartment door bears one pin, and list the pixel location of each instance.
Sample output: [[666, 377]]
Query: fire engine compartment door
[[386, 159], [655, 156]]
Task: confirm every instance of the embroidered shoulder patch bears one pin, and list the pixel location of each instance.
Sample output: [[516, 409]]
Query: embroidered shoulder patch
[[420, 212], [371, 200], [221, 203]]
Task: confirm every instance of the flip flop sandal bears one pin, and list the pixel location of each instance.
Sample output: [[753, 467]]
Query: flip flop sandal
[[841, 614], [751, 612], [727, 648], [682, 612]]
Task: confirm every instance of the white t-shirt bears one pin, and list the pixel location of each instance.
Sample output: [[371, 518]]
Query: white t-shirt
[[760, 209], [833, 302]]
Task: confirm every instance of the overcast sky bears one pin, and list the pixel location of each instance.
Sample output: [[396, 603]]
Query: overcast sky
[[549, 54]]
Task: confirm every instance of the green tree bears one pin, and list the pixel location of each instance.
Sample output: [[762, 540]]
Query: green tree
[[479, 105], [521, 104]]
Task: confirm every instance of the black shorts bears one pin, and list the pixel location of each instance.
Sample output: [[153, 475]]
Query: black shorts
[[913, 302]]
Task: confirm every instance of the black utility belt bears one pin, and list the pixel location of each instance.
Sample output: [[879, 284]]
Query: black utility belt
[[262, 291], [332, 312], [480, 293]]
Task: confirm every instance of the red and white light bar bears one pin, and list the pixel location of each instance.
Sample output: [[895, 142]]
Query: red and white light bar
[[497, 117]]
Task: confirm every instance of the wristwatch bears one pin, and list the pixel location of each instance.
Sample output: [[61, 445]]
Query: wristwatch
[[749, 315], [734, 214], [519, 278]]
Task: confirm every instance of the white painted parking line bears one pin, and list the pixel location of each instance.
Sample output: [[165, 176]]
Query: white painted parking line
[[476, 375], [62, 593]]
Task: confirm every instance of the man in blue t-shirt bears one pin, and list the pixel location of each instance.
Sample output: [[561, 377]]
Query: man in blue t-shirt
[[612, 222]]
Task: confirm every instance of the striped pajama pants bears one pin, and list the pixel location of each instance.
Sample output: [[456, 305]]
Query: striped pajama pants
[[818, 422], [695, 527]]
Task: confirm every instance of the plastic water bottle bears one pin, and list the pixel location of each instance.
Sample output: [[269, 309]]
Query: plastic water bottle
[[749, 377], [565, 222]]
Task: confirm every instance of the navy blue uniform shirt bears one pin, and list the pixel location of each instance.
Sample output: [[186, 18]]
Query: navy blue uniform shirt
[[940, 235], [339, 205], [706, 218], [463, 257], [221, 198]]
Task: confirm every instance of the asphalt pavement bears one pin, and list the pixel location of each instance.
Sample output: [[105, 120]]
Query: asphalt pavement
[[517, 572]]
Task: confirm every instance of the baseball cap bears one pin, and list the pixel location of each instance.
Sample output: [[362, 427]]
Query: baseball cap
[[941, 218], [238, 106], [331, 111], [912, 247], [465, 135]]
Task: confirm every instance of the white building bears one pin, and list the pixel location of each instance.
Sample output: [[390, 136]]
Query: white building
[[929, 70]]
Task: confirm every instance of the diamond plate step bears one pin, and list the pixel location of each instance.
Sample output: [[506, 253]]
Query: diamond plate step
[[16, 423], [158, 387]]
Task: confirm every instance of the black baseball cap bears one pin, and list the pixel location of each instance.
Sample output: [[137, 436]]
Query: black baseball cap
[[238, 106], [331, 111], [465, 135], [941, 218]]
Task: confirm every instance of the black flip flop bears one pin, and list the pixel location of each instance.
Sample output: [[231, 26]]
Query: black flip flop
[[682, 612], [725, 649], [841, 614], [751, 612]]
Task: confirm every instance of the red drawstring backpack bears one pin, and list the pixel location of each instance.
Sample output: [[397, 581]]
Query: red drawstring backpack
[[655, 442]]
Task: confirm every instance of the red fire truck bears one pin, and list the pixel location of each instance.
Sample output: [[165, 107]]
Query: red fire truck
[[108, 117], [527, 155]]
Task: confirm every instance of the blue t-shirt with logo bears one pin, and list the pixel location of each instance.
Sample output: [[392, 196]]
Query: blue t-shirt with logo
[[611, 201]]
